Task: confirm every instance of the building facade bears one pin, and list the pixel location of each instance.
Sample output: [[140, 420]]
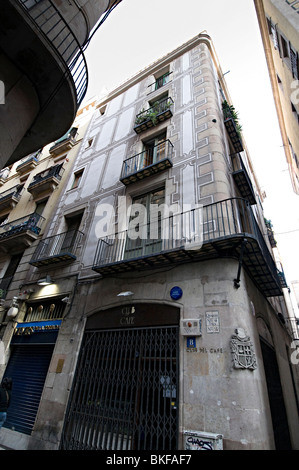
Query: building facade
[[164, 326], [44, 74], [279, 26]]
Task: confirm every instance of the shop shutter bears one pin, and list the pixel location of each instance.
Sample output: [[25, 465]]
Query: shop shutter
[[28, 367]]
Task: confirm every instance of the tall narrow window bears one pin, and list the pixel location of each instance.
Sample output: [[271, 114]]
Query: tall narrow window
[[162, 80], [144, 234], [77, 179], [40, 206], [154, 150], [71, 234]]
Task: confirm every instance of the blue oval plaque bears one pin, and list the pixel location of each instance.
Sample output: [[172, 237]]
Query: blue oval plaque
[[176, 293]]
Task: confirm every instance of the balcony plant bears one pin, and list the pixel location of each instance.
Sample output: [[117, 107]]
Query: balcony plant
[[230, 112], [152, 113]]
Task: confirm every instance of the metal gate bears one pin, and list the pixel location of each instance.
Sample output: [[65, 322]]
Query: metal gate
[[28, 367], [125, 391]]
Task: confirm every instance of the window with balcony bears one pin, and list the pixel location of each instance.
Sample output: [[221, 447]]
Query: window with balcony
[[60, 247], [223, 229], [46, 181], [161, 79], [144, 234], [159, 110], [65, 143], [155, 157]]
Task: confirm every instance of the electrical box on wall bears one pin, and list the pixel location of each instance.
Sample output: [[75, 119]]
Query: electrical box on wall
[[190, 327]]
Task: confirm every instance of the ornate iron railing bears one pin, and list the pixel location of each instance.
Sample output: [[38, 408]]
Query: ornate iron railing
[[15, 192], [31, 222], [55, 171], [55, 29]]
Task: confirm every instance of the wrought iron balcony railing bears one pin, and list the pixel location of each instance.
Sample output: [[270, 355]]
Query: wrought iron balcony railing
[[224, 229], [65, 143], [28, 163], [150, 161], [46, 180], [242, 179], [232, 126], [32, 223], [12, 194], [160, 82], [57, 32], [159, 112], [57, 248]]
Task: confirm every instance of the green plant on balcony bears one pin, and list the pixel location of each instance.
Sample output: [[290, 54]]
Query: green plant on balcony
[[270, 232], [230, 112], [152, 113]]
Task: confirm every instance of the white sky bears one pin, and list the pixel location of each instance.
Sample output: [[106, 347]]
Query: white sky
[[138, 32]]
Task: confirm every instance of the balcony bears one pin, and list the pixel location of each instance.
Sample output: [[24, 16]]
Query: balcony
[[151, 117], [232, 127], [46, 181], [9, 198], [20, 233], [226, 229], [270, 233], [56, 249], [47, 51], [65, 143], [160, 82], [242, 179], [27, 164], [149, 162]]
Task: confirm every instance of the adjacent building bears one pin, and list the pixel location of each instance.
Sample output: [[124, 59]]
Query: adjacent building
[[163, 324], [279, 26], [44, 74]]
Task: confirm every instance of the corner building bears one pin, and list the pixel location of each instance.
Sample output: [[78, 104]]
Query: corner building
[[167, 342]]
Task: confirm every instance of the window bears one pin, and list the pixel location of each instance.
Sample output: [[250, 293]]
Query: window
[[154, 149], [162, 80], [77, 179], [40, 206], [144, 234], [284, 47], [71, 234], [294, 111], [89, 143]]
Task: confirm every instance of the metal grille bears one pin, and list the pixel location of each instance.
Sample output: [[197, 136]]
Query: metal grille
[[125, 391], [28, 367]]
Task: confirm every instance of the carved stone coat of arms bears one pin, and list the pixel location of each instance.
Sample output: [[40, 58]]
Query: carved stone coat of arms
[[241, 347]]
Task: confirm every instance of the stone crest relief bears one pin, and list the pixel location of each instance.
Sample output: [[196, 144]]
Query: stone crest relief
[[243, 355]]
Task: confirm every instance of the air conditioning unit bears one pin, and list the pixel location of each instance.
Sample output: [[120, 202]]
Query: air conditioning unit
[[190, 327]]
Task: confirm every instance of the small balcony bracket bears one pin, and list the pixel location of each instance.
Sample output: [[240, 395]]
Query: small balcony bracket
[[237, 280]]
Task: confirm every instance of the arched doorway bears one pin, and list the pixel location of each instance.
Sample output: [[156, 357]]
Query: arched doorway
[[125, 390]]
